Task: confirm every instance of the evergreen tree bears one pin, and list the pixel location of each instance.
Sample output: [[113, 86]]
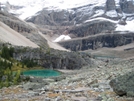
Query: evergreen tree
[[5, 52], [16, 79]]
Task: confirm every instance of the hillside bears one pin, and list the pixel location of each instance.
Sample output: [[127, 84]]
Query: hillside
[[8, 35]]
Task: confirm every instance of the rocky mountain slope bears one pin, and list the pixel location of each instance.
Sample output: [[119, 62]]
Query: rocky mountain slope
[[37, 46], [19, 29], [111, 9], [82, 20], [8, 35]]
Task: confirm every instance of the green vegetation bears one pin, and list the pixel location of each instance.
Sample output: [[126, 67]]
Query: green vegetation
[[10, 69], [6, 74], [29, 63], [7, 53]]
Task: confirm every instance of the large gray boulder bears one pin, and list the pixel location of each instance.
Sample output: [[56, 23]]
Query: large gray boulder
[[32, 86], [124, 85]]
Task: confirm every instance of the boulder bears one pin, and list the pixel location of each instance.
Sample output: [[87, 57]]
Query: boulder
[[76, 79], [33, 86], [58, 78], [124, 85], [79, 99]]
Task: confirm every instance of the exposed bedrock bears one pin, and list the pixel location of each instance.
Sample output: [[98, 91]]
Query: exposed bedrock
[[110, 5], [101, 40], [92, 28], [54, 59], [127, 6]]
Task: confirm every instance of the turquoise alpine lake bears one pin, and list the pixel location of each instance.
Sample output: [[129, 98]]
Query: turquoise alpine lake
[[41, 73]]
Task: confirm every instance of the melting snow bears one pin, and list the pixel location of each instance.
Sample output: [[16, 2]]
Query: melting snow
[[98, 13], [111, 13], [128, 27], [101, 18], [61, 38]]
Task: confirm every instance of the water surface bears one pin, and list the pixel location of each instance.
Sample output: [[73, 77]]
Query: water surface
[[41, 73]]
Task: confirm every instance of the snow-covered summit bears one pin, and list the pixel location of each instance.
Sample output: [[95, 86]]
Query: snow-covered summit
[[62, 4], [31, 7], [79, 11]]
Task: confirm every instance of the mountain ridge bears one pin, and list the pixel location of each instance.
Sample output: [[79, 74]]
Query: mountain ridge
[[94, 17]]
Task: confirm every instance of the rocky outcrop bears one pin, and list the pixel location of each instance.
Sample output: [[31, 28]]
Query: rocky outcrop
[[110, 5], [124, 85], [101, 40], [55, 18], [15, 23], [127, 6], [23, 28], [64, 17], [92, 28], [54, 59]]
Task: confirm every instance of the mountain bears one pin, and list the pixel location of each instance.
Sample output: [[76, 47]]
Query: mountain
[[29, 42], [13, 37], [81, 8], [80, 21]]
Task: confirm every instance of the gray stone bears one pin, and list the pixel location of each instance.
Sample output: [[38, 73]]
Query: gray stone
[[49, 80], [47, 99], [124, 85], [58, 99], [58, 78], [76, 79], [36, 80], [79, 99], [92, 82], [31, 93], [42, 92], [33, 86]]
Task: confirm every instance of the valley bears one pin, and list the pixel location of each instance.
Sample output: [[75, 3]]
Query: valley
[[91, 44]]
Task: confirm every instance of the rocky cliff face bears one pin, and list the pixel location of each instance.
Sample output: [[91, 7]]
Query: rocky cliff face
[[45, 56], [127, 6], [54, 18], [81, 20], [69, 17], [111, 9], [110, 5], [23, 28], [102, 40], [15, 23], [92, 28], [54, 59]]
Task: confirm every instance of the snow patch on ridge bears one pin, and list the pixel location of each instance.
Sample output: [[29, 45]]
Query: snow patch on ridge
[[101, 18], [128, 27], [62, 37], [112, 13]]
